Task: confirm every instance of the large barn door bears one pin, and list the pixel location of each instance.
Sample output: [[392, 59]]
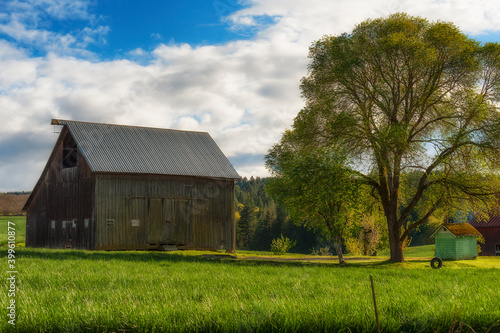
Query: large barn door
[[170, 221]]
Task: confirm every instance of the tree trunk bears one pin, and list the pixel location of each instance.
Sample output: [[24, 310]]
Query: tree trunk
[[338, 247], [395, 243]]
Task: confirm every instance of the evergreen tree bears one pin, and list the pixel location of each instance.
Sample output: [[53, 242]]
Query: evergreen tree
[[247, 223]]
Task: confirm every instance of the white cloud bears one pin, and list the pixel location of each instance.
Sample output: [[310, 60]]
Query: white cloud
[[244, 93], [29, 23], [59, 9]]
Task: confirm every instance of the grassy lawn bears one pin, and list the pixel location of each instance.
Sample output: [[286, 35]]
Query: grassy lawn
[[97, 291]]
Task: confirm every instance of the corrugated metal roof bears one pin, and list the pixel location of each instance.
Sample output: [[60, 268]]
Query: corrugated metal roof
[[132, 149], [493, 221]]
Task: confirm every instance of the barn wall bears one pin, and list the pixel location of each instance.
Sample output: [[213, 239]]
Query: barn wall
[[157, 211], [60, 214], [491, 236]]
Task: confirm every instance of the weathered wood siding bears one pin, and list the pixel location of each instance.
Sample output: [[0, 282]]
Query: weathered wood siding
[[491, 236], [154, 211], [60, 214]]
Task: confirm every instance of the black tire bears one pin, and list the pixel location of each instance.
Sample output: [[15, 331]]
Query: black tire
[[436, 263]]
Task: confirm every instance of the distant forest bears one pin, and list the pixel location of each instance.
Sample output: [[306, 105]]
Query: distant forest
[[260, 219]]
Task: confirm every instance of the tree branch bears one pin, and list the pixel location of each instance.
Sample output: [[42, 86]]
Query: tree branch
[[420, 221]]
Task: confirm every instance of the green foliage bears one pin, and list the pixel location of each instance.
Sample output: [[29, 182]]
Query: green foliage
[[414, 106], [480, 240], [366, 237], [246, 225], [264, 219], [282, 245], [315, 185], [324, 251]]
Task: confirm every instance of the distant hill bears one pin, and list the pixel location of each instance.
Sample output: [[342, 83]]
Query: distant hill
[[12, 203]]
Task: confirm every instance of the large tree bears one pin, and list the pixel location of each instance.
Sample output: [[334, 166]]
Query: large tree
[[403, 95]]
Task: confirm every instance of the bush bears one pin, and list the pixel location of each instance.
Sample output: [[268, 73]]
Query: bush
[[321, 251], [480, 240], [353, 246], [281, 245]]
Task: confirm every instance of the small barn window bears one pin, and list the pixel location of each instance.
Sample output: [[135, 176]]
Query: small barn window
[[74, 223], [64, 224], [110, 222], [53, 224], [86, 223], [135, 223], [70, 154], [497, 250]]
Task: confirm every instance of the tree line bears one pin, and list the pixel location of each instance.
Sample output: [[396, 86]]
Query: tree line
[[260, 219]]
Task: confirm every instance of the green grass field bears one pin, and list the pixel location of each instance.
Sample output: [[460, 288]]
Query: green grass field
[[20, 225], [96, 291]]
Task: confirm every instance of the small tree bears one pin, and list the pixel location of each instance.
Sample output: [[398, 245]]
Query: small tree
[[282, 245], [314, 185]]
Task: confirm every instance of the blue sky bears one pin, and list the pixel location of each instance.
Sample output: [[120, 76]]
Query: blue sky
[[128, 25], [228, 67], [144, 24]]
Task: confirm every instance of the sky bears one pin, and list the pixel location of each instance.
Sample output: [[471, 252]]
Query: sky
[[231, 68]]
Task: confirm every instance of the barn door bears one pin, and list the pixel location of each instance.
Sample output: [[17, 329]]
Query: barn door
[[168, 221], [136, 231], [181, 221], [155, 221]]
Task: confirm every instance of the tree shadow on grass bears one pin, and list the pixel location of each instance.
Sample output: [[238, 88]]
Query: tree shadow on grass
[[134, 256], [216, 258]]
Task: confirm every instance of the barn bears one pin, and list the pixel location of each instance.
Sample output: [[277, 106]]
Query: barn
[[115, 187], [490, 229]]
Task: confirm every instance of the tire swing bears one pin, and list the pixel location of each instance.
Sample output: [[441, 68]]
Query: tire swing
[[436, 262]]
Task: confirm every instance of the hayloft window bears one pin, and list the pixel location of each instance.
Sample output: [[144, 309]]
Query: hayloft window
[[70, 154]]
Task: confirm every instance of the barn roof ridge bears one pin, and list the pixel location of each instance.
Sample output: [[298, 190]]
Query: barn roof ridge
[[62, 122]]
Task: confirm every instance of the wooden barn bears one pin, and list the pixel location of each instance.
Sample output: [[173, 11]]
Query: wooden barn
[[490, 229], [113, 187], [456, 241]]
